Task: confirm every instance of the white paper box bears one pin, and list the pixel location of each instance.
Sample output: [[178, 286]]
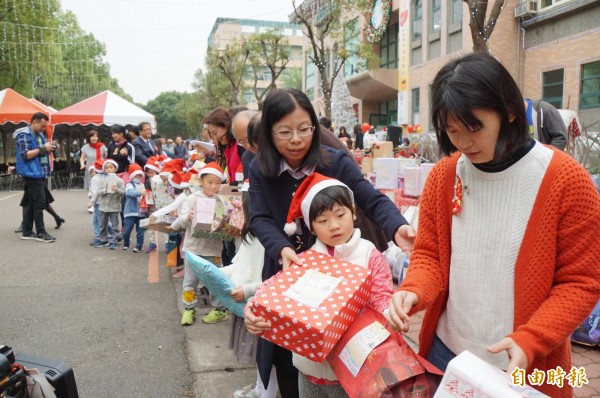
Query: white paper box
[[470, 376], [408, 162], [425, 170], [204, 214], [386, 173], [412, 181]]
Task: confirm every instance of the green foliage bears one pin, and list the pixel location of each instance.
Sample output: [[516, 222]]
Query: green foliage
[[45, 54], [167, 108], [324, 23], [270, 51], [292, 78], [228, 64]]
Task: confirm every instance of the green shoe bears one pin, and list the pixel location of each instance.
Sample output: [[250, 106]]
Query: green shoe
[[188, 317], [215, 315]]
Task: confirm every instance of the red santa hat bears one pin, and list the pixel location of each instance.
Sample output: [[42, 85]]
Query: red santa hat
[[214, 169], [135, 170], [245, 186], [187, 177], [176, 178], [172, 166], [153, 163], [239, 174], [306, 192], [111, 161], [99, 166]]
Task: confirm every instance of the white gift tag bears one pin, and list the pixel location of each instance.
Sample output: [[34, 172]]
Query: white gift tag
[[312, 288], [358, 348]]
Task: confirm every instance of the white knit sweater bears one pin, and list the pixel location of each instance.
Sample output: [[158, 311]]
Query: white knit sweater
[[485, 245]]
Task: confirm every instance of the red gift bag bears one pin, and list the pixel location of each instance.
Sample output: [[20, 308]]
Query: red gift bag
[[391, 370]]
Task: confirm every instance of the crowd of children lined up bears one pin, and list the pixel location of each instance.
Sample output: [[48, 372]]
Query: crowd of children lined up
[[166, 187]]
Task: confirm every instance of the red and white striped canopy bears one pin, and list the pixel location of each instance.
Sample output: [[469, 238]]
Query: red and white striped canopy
[[16, 108], [105, 108]]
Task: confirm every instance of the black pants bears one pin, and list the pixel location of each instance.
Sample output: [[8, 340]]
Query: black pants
[[36, 203], [228, 252], [287, 374]]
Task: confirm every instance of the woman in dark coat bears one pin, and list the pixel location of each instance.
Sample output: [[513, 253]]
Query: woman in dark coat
[[290, 150]]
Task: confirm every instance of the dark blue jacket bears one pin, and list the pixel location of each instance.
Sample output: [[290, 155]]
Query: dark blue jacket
[[269, 204], [143, 151], [180, 151]]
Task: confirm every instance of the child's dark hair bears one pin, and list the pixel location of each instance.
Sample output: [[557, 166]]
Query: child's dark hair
[[246, 231], [478, 81], [327, 198]]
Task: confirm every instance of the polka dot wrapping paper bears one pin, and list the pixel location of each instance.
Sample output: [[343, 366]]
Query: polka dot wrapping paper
[[312, 331]]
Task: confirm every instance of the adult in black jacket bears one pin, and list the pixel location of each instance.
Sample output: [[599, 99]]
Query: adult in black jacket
[[144, 145], [120, 150], [290, 150]]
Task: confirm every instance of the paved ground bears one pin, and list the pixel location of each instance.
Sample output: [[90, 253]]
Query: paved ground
[[112, 315]]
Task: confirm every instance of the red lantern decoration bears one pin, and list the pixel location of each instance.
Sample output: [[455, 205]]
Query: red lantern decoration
[[410, 128], [365, 127]]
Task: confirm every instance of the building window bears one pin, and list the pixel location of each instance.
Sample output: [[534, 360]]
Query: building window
[[549, 3], [309, 81], [248, 29], [388, 48], [457, 12], [590, 86], [417, 19], [415, 107], [388, 114], [352, 42], [288, 32], [436, 15], [553, 87], [296, 53]]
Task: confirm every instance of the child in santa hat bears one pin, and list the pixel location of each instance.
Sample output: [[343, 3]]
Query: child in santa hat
[[96, 175], [211, 177], [110, 194], [189, 183], [132, 212], [327, 206], [163, 194]]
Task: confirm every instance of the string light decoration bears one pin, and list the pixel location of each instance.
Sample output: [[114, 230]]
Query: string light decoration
[[377, 19]]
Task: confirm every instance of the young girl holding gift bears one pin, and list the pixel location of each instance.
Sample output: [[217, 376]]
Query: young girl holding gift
[[327, 206], [211, 176], [503, 261]]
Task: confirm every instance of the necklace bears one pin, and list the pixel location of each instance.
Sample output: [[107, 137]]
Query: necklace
[[457, 200]]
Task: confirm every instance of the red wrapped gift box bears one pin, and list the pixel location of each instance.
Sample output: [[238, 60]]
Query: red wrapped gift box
[[291, 301], [390, 368]]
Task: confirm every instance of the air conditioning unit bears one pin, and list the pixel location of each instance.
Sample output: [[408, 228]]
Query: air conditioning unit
[[526, 8]]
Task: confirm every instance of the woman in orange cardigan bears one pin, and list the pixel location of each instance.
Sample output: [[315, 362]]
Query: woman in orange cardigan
[[505, 259]]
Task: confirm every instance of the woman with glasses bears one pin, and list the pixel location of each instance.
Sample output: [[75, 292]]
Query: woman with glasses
[[290, 149]]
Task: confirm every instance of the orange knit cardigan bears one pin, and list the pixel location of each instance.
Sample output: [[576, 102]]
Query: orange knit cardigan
[[557, 273]]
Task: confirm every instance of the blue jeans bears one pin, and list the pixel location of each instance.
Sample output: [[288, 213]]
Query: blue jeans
[[96, 222], [439, 354], [129, 223]]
